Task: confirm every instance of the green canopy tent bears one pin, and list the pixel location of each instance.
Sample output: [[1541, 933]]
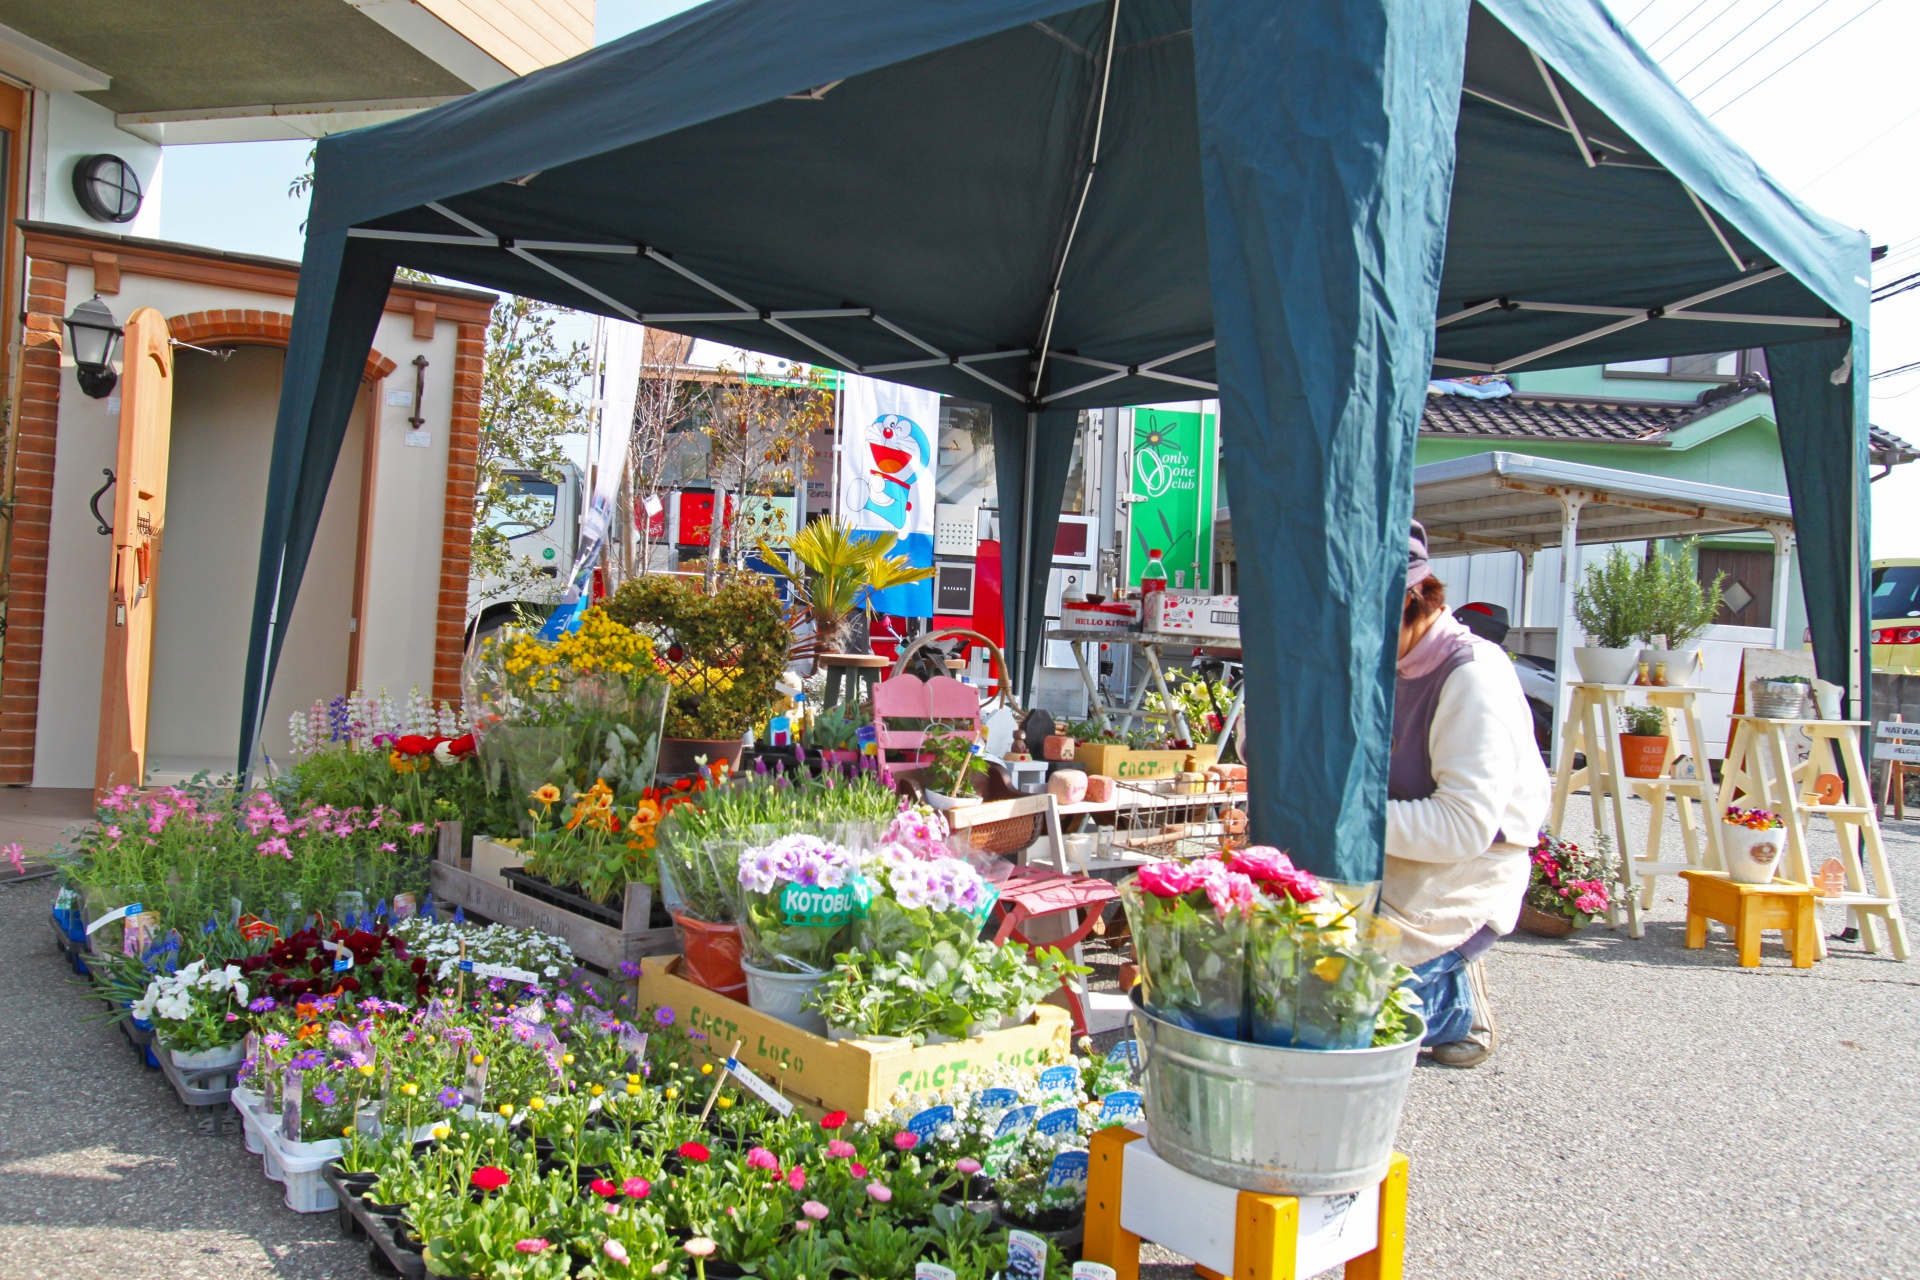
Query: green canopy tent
[[1305, 208]]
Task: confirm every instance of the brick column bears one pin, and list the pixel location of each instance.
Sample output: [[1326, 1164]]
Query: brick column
[[38, 409], [456, 548]]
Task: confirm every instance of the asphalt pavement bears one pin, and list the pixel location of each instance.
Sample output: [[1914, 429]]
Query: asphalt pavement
[[1651, 1112]]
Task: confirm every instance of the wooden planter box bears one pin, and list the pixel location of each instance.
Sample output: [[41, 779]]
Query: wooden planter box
[[854, 1076], [477, 885], [1114, 761]]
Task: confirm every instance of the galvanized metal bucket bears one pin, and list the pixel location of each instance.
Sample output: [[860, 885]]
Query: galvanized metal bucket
[[1278, 1121]]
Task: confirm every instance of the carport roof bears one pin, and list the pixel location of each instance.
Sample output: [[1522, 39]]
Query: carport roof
[[1512, 502]]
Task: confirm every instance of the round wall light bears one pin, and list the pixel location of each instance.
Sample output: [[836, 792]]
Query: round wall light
[[106, 187]]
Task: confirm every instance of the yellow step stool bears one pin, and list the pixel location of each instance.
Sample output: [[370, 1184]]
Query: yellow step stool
[[1134, 1195]]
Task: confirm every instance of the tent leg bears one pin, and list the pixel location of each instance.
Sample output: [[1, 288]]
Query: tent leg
[[1563, 641], [1782, 579], [1526, 591], [1025, 682]]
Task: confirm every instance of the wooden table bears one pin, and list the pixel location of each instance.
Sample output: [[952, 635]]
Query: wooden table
[[1748, 909], [866, 669]]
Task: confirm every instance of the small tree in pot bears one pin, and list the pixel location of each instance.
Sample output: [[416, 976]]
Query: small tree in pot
[[1611, 607], [1679, 608]]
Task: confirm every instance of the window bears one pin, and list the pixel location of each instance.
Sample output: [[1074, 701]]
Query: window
[[1896, 592], [965, 475], [527, 505], [1722, 366]]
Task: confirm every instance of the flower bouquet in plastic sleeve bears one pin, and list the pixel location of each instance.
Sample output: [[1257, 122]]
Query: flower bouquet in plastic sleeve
[[905, 900], [1346, 972], [1189, 923], [1284, 904], [796, 899]]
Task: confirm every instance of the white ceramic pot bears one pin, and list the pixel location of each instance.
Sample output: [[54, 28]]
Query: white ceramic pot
[[1752, 856], [1683, 665], [1606, 666], [227, 1055], [1827, 697]]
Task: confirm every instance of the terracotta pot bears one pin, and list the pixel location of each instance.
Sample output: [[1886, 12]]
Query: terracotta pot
[[677, 754], [710, 956], [1545, 924], [1642, 755]]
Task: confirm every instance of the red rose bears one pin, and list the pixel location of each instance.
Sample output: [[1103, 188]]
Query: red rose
[[462, 745], [694, 1151], [413, 744], [833, 1119], [490, 1178]]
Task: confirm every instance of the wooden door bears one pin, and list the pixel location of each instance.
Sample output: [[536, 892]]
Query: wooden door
[[1749, 585], [139, 520]]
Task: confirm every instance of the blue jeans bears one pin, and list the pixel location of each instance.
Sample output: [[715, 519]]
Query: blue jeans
[[1446, 995]]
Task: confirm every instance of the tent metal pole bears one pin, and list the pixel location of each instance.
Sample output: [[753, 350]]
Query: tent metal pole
[[1718, 234], [1782, 579], [1563, 673], [1526, 588], [1026, 562], [1560, 101], [266, 676]]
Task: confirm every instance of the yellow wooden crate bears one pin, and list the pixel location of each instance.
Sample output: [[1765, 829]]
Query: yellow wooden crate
[[854, 1076], [1114, 761]]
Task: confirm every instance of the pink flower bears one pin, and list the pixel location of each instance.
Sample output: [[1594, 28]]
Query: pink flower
[[1167, 879], [879, 1192], [113, 833], [615, 1250], [967, 1165], [636, 1188], [761, 1158], [1261, 862], [533, 1244], [906, 1139], [699, 1246], [420, 829], [13, 853], [797, 1179], [840, 1149], [1230, 891], [857, 1169], [275, 845], [814, 1209]]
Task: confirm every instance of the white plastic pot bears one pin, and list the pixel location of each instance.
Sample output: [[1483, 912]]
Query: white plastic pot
[[1752, 856], [226, 1056], [1606, 666], [783, 995], [940, 800], [1683, 665]]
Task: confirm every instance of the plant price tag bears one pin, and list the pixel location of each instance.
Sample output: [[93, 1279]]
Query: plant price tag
[[118, 913], [1026, 1256], [768, 1094], [1061, 1120], [633, 1042], [1122, 1107], [293, 1083], [926, 1122], [342, 958], [996, 1098], [474, 1090], [505, 972], [931, 1271], [999, 1152], [1092, 1271], [1069, 1169], [1016, 1121], [806, 904], [1062, 1079], [1127, 1051]]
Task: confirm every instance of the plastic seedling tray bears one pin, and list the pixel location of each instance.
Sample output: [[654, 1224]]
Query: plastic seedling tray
[[382, 1246], [204, 1093], [295, 1165]]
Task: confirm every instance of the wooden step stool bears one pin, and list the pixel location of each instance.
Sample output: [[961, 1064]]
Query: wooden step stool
[[1749, 909], [1134, 1195]]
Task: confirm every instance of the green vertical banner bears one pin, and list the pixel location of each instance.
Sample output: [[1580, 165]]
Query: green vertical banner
[[1173, 496]]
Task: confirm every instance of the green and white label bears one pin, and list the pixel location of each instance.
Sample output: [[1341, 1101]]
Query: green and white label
[[806, 904]]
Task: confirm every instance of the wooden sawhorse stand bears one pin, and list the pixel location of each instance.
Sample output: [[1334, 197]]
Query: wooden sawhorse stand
[[1132, 1194], [1593, 727], [1761, 773]]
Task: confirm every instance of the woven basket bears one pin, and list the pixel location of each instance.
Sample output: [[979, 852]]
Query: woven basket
[[1545, 924]]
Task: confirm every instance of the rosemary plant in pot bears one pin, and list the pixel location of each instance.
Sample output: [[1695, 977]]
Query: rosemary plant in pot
[[1679, 608], [1610, 607]]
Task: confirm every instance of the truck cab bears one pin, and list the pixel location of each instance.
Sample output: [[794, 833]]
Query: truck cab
[[540, 528]]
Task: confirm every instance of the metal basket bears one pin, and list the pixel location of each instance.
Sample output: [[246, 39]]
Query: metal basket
[[1779, 702]]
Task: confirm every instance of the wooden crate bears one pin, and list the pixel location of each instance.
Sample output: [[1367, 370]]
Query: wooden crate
[[488, 894], [854, 1076], [1114, 761]]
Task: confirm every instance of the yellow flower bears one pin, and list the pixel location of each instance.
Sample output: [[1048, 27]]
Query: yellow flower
[[672, 1092], [547, 795], [633, 1088], [440, 1132], [409, 1088], [1329, 968], [536, 1103], [706, 1068], [596, 1091], [506, 1109], [723, 1101], [645, 814], [365, 1069], [347, 1132], [566, 1059], [479, 1059]]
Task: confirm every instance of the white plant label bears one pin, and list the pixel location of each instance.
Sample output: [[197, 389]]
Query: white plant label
[[1093, 1271], [768, 1094], [118, 913], [342, 958], [505, 972], [932, 1271]]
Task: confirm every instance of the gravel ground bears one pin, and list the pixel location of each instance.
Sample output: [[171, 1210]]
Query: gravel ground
[[1652, 1112]]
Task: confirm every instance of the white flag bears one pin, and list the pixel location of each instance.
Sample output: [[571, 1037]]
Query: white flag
[[887, 464]]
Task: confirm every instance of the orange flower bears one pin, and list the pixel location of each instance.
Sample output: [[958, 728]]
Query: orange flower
[[645, 814], [547, 795]]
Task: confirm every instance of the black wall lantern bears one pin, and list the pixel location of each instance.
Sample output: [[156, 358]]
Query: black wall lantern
[[92, 333]]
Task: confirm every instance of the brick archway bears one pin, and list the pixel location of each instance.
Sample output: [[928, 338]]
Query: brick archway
[[255, 329]]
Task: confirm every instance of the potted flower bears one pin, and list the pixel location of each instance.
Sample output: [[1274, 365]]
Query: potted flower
[[956, 760], [796, 903], [843, 567], [1780, 697], [1752, 840], [835, 735], [1611, 608], [1679, 607], [196, 1013], [1643, 741], [1567, 888]]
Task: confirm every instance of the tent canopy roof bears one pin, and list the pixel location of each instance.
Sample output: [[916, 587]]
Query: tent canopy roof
[[1511, 501], [895, 189]]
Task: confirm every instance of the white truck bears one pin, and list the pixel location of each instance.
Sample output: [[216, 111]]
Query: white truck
[[541, 530]]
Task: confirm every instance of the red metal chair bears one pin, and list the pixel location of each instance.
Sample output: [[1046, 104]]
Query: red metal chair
[[1034, 894]]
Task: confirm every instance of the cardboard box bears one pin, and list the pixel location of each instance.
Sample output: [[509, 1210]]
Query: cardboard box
[[1202, 617], [1108, 616], [854, 1076], [1114, 761]]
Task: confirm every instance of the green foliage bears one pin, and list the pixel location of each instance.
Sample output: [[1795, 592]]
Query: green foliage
[[732, 646], [837, 728], [1644, 722], [1611, 606], [840, 568], [1678, 607], [955, 762]]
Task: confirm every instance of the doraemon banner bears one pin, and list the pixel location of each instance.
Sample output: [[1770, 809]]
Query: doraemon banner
[[886, 477]]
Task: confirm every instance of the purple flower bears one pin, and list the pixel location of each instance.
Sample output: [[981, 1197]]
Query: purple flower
[[340, 1037], [274, 1041], [265, 1004], [629, 970], [663, 1015], [450, 1098], [562, 1005], [323, 1094], [308, 1060]]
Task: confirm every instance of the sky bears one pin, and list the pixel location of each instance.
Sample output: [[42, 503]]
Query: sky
[[1818, 92]]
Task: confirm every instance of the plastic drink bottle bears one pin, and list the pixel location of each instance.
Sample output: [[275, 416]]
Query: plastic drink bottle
[[1153, 578]]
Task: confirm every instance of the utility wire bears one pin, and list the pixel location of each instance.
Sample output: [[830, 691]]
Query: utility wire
[[1795, 58], [1906, 283], [1701, 4], [1699, 31], [1724, 44], [1643, 9], [1857, 150], [1777, 37], [1897, 369]]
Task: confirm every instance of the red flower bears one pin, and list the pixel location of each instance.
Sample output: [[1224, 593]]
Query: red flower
[[601, 1187], [833, 1119], [490, 1178], [694, 1151], [462, 745]]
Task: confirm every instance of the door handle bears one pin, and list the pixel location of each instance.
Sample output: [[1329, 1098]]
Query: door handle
[[93, 503]]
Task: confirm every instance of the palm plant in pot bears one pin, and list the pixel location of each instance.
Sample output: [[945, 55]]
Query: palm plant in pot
[[1679, 608], [843, 567], [1610, 607], [1643, 741]]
